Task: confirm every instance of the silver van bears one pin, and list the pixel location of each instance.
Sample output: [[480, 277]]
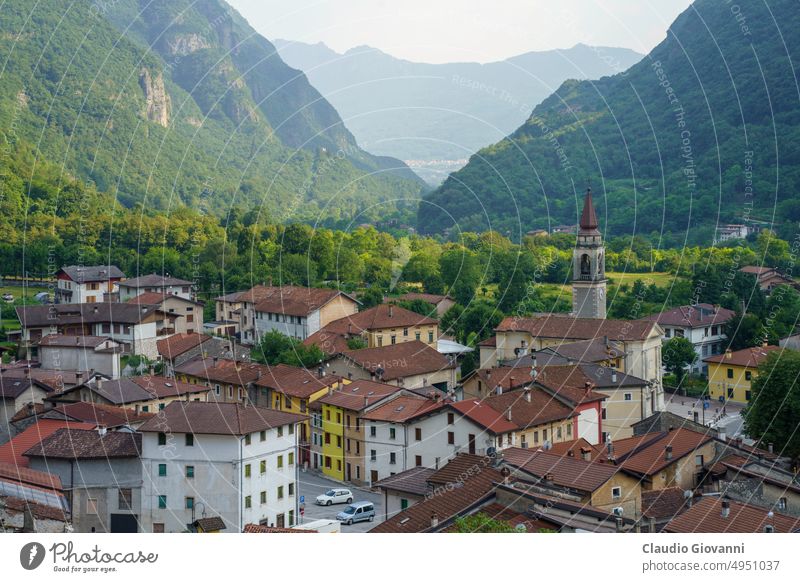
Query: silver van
[[358, 511]]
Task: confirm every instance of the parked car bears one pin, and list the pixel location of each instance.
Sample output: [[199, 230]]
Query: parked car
[[8, 298], [336, 495], [355, 512]]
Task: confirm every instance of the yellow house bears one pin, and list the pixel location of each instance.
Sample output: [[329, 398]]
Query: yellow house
[[730, 375], [292, 389], [341, 410], [379, 326]]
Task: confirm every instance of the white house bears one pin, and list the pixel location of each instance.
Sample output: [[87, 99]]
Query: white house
[[93, 284], [213, 459], [81, 353], [164, 285], [702, 324]]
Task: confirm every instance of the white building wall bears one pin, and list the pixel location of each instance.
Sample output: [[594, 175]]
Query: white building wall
[[80, 359]]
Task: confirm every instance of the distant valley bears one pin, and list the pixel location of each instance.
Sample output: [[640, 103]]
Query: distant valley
[[435, 116]]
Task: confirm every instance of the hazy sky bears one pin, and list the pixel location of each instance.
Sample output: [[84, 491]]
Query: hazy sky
[[464, 30]]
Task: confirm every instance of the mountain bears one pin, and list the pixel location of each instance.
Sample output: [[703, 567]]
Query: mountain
[[703, 130], [168, 102], [436, 115]]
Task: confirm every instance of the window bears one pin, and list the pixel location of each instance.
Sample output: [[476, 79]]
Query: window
[[338, 441], [628, 397], [748, 395], [418, 434], [158, 528], [403, 504], [730, 392], [190, 471], [125, 498], [392, 433], [216, 389], [189, 439], [162, 501], [263, 467], [291, 489], [280, 431], [290, 460], [372, 431], [730, 372], [91, 506], [162, 469], [544, 434], [536, 437], [603, 414], [247, 439], [280, 492], [394, 339], [667, 332], [392, 459], [698, 460], [748, 375], [247, 470], [430, 337], [417, 336], [783, 503], [145, 409], [291, 517], [263, 435], [405, 332], [558, 433], [451, 438], [373, 455], [327, 438], [248, 502], [190, 503], [418, 461], [162, 439], [280, 461], [616, 492], [450, 418], [569, 430]]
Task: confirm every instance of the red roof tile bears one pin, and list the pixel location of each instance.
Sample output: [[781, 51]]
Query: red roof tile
[[484, 416], [180, 343], [359, 394], [403, 408], [12, 451], [566, 471], [400, 360], [648, 456], [705, 516], [563, 327], [748, 357]]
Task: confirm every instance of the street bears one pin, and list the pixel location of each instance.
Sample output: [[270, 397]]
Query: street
[[686, 406], [312, 484]]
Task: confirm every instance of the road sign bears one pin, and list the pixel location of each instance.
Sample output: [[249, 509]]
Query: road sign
[[706, 405], [302, 499], [302, 511]]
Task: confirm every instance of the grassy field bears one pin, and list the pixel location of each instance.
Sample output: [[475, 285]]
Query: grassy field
[[660, 279]]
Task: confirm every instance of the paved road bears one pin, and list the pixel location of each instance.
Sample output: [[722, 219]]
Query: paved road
[[313, 484], [686, 406]]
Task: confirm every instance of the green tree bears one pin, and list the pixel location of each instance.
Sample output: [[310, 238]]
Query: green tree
[[677, 354], [774, 407], [371, 297], [272, 345], [356, 343], [744, 331]]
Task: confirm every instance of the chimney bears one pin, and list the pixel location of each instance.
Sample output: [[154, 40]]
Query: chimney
[[330, 389], [533, 361], [726, 509], [614, 376], [722, 433], [605, 341], [610, 447], [505, 472], [769, 528], [570, 361], [320, 372], [652, 521], [586, 454], [508, 414], [98, 382], [102, 430], [94, 309], [728, 354], [498, 389], [510, 382], [488, 374], [770, 448], [668, 453], [214, 361], [548, 477], [27, 371], [570, 453], [391, 310], [527, 391], [434, 519], [620, 524]]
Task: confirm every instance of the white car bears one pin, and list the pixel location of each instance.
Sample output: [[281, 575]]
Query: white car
[[333, 496], [8, 298]]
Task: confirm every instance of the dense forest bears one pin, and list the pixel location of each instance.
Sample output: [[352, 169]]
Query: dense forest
[[704, 130], [169, 103]]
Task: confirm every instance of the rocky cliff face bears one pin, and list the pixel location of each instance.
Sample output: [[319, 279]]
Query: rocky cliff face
[[157, 101]]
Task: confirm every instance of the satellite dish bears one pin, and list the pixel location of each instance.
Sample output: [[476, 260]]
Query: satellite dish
[[521, 527], [547, 445], [491, 452]]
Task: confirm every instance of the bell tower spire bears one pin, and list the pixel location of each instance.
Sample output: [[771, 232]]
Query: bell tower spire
[[588, 266]]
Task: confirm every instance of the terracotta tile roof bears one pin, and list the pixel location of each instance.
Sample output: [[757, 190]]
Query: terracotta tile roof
[[255, 528], [754, 270], [97, 414], [571, 383], [86, 313], [12, 472], [400, 360], [54, 380], [461, 468], [484, 416], [748, 357], [414, 481], [490, 342], [12, 451], [404, 408], [474, 484], [705, 516], [290, 300], [180, 343], [596, 350], [222, 371], [576, 448], [541, 409], [563, 327], [663, 503], [648, 457], [359, 394], [569, 472], [294, 381], [40, 511], [431, 298], [12, 386], [87, 444], [217, 418], [506, 376], [156, 298], [125, 391], [333, 337], [163, 387], [588, 221], [700, 315], [28, 410]]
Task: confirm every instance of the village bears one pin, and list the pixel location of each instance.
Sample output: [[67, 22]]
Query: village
[[124, 410]]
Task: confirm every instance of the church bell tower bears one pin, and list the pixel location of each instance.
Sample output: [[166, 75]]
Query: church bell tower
[[588, 266]]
